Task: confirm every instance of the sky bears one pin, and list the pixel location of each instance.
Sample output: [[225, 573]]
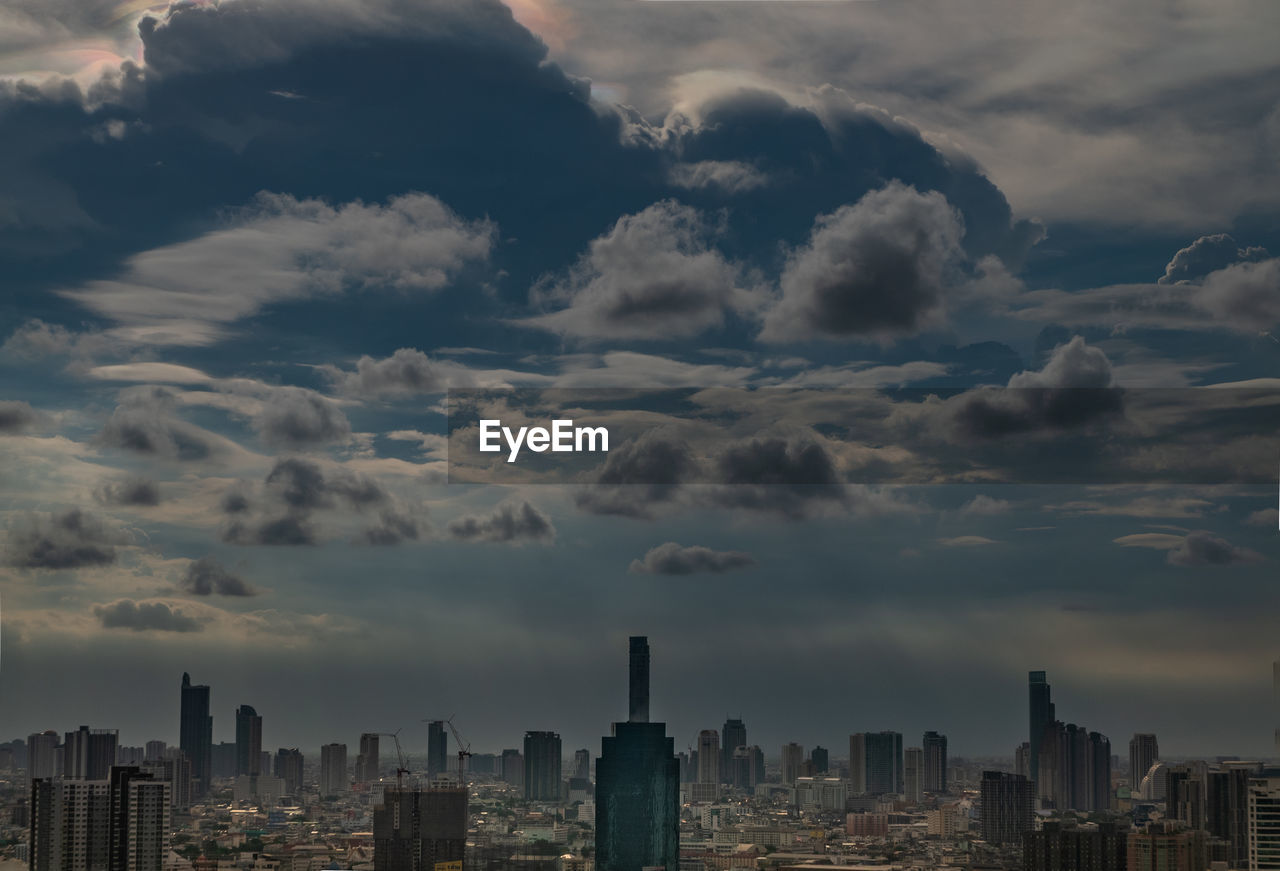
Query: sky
[[982, 253]]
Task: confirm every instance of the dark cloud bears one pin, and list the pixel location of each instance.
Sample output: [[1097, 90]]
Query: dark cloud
[[71, 539], [392, 528], [133, 490], [289, 530], [144, 617], [674, 559], [510, 522], [235, 501], [302, 485], [1202, 548], [406, 371], [293, 491], [1205, 255], [638, 476], [296, 418], [792, 476], [654, 275], [145, 423], [880, 267], [15, 417], [206, 576]]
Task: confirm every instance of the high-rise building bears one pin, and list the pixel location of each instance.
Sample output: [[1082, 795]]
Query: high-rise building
[[1075, 768], [42, 755], [368, 761], [196, 734], [248, 741], [175, 770], [120, 823], [913, 774], [1007, 808], [883, 763], [582, 764], [333, 769], [437, 749], [935, 762], [708, 756], [1143, 753], [638, 680], [1264, 821], [1068, 846], [1227, 808], [420, 830], [821, 760], [154, 750], [792, 756], [748, 767], [858, 763], [542, 762], [88, 754], [1022, 759], [288, 768], [637, 811], [1166, 846], [732, 736], [513, 767], [1042, 714]]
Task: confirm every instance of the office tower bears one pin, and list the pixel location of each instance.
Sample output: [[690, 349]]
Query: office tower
[[1007, 808], [913, 774], [1022, 760], [747, 772], [248, 741], [582, 764], [1042, 714], [333, 769], [1264, 821], [512, 764], [1143, 753], [792, 756], [883, 763], [42, 755], [638, 683], [368, 761], [88, 754], [821, 760], [196, 735], [732, 736], [1075, 768], [708, 756], [858, 763], [637, 812], [1067, 846], [437, 749], [1099, 777], [420, 829], [1227, 808], [935, 762], [542, 763], [288, 768], [1165, 846]]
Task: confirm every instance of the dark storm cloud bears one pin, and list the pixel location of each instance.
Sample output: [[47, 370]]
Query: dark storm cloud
[[302, 485], [132, 490], [144, 617], [287, 531], [144, 423], [15, 417], [794, 476], [654, 275], [206, 576], [1202, 548], [71, 539], [1208, 254], [298, 418], [880, 267], [510, 522], [675, 559], [392, 528], [234, 501], [638, 476]]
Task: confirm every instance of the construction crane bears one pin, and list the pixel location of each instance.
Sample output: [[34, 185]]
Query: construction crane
[[464, 748], [402, 761]]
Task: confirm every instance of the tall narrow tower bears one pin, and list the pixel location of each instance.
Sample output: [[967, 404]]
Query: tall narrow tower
[[1041, 706], [196, 734], [639, 690]]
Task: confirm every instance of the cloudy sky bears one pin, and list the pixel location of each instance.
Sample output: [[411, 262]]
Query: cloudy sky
[[246, 248]]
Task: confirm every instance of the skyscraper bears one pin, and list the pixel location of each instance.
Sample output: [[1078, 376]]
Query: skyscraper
[[883, 763], [418, 830], [638, 785], [88, 754], [821, 760], [1264, 822], [1143, 753], [582, 764], [437, 749], [1042, 714], [289, 769], [732, 736], [118, 823], [792, 756], [42, 755], [196, 734], [638, 684], [542, 763], [1075, 768], [935, 762], [333, 769], [913, 774], [368, 763], [248, 741], [1007, 808], [708, 756], [858, 763]]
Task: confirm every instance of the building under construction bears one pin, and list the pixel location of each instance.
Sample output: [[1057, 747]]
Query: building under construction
[[420, 829]]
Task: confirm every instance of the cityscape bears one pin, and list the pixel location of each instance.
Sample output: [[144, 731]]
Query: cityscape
[[1063, 801]]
